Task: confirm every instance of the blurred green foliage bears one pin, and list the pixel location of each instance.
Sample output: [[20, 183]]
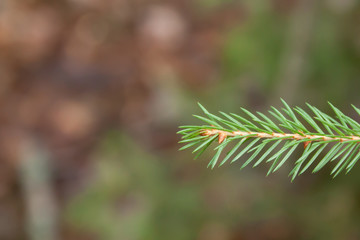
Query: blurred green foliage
[[254, 48], [133, 196]]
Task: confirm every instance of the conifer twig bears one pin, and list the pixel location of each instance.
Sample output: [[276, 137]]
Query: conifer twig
[[224, 134], [275, 142]]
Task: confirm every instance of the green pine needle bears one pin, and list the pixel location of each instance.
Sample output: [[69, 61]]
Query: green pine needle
[[334, 138]]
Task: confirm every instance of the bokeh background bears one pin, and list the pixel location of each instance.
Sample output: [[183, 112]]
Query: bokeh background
[[92, 93]]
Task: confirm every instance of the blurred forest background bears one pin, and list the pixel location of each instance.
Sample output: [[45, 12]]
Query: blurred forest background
[[92, 93]]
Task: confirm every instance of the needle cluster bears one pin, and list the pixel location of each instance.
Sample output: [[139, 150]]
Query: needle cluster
[[275, 138]]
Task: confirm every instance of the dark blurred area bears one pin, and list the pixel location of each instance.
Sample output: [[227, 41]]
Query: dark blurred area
[[92, 93]]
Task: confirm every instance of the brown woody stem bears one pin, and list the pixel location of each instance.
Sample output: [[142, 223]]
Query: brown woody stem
[[223, 135]]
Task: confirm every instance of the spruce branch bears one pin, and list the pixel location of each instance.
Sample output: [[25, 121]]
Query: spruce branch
[[274, 138]]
